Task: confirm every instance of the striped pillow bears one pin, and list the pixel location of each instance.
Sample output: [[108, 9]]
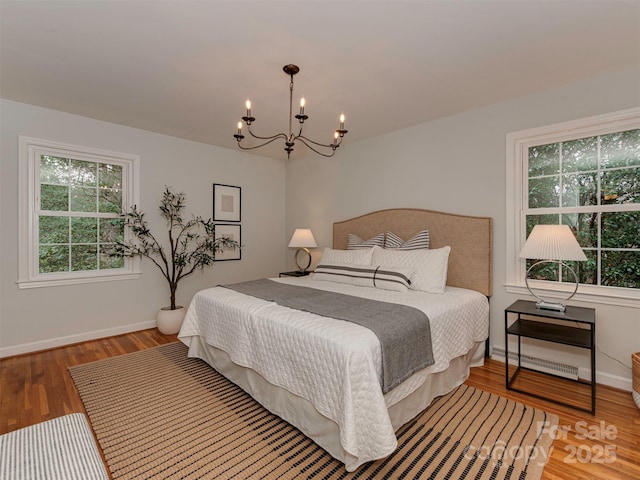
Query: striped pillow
[[418, 242], [385, 278], [354, 242], [430, 266]]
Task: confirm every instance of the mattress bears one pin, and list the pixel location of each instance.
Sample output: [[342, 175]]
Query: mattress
[[333, 365]]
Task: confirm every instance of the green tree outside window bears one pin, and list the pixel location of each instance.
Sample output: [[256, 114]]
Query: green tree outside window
[[79, 215]]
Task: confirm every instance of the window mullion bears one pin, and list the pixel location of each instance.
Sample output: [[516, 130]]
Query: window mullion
[[599, 251], [69, 244], [599, 215], [560, 175], [34, 237], [626, 207], [59, 213]]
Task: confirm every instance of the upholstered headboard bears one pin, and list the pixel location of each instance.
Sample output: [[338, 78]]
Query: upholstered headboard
[[470, 239]]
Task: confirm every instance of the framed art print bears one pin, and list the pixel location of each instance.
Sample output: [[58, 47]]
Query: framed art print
[[226, 203], [232, 232]]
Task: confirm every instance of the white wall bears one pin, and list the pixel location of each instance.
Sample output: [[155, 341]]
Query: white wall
[[44, 317], [457, 164]]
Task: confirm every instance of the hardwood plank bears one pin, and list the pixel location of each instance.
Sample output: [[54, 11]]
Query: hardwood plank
[[601, 446], [37, 387]]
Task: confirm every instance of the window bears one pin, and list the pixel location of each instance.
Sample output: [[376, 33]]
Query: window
[[71, 200], [584, 174]]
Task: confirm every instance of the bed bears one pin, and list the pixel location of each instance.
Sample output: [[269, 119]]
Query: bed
[[323, 375]]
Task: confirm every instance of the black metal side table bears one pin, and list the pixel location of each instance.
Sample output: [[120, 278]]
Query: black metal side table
[[295, 273], [551, 332]]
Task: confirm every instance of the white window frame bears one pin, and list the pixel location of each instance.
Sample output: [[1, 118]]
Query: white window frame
[[29, 152], [518, 144]]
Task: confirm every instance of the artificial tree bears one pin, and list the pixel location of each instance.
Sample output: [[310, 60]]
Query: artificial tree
[[191, 245]]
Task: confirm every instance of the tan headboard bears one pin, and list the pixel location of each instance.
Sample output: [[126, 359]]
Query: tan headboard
[[470, 239]]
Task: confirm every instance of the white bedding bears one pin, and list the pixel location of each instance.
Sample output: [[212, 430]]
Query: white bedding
[[334, 364]]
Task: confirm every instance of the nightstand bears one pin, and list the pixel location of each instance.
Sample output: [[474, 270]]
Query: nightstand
[[295, 273], [535, 326]]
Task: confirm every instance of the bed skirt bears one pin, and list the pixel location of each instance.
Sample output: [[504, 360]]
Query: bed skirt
[[302, 414]]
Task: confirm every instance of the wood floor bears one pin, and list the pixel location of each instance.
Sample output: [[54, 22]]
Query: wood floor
[[37, 387]]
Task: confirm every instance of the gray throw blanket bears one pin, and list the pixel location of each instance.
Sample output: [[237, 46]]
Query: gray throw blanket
[[404, 332]]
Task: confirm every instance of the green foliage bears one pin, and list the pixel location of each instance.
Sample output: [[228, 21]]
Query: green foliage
[[54, 258], [78, 240], [191, 244]]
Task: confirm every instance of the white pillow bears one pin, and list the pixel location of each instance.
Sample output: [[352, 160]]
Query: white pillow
[[419, 241], [430, 266], [354, 242], [358, 257], [386, 278]]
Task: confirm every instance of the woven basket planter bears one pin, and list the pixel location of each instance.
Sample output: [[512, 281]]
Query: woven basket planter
[[635, 371]]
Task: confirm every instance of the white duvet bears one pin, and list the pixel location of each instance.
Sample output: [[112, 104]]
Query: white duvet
[[334, 364]]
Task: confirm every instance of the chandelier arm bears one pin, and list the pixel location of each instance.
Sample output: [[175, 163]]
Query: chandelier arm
[[304, 139], [277, 135], [261, 145], [333, 152]]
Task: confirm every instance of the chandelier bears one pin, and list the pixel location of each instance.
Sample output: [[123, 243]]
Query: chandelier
[[326, 150]]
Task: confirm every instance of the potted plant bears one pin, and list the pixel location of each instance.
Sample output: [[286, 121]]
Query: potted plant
[[191, 246]]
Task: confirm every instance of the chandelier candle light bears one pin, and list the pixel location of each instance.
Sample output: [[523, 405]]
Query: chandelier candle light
[[552, 244], [326, 150]]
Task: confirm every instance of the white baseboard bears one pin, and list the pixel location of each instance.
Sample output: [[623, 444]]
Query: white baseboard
[[71, 339], [608, 379], [564, 370]]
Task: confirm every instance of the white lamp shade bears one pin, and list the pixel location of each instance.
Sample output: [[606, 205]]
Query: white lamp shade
[[302, 238], [552, 242]]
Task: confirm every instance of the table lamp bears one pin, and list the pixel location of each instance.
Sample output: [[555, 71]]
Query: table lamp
[[303, 240], [552, 244]]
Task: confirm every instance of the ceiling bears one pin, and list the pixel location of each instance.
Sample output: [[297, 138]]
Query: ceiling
[[185, 68]]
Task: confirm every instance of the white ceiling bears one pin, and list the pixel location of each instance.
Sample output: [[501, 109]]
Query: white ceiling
[[185, 68]]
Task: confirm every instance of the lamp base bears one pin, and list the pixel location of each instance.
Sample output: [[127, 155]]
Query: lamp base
[[303, 268], [556, 307], [544, 304]]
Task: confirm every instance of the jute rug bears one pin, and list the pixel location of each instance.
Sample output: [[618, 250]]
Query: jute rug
[[158, 414]]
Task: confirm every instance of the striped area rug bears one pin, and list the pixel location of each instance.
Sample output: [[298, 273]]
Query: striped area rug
[[158, 414], [58, 449]]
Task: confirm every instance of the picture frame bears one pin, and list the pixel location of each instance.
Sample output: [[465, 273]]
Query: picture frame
[[232, 231], [227, 205]]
